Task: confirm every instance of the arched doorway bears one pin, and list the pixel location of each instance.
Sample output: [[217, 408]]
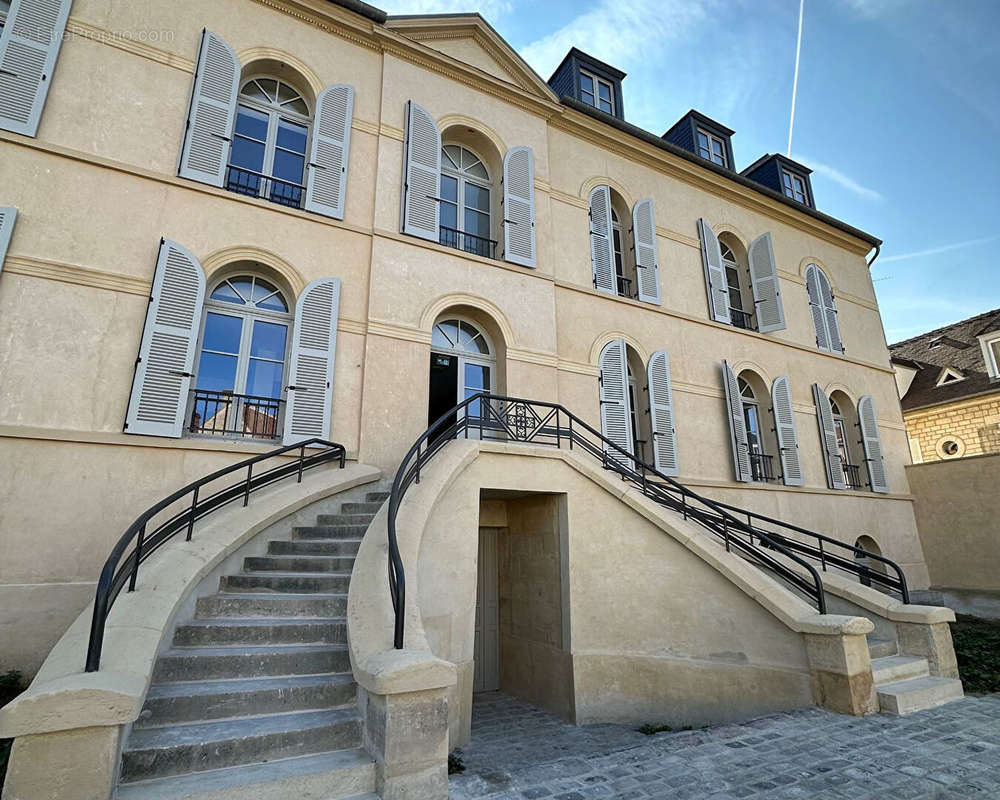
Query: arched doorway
[[463, 363], [867, 543]]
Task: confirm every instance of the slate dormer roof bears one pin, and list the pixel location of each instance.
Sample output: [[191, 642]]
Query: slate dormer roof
[[954, 347], [766, 171], [565, 81], [684, 133]]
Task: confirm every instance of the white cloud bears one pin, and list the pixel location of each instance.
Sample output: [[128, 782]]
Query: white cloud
[[945, 248], [491, 10], [839, 178]]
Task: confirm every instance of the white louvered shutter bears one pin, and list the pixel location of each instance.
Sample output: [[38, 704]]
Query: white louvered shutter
[[661, 413], [715, 274], [737, 425], [211, 113], [829, 313], [421, 174], [29, 47], [310, 374], [816, 307], [7, 216], [602, 256], [326, 184], [646, 255], [765, 285], [788, 437], [616, 422], [519, 206], [828, 440], [163, 370], [873, 445]]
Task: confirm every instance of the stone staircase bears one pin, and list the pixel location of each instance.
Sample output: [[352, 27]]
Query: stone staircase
[[903, 684], [255, 697]]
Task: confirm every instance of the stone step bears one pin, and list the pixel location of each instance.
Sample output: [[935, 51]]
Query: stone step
[[173, 703], [332, 531], [208, 663], [293, 582], [182, 749], [265, 604], [225, 631], [344, 519], [325, 547], [890, 669], [377, 497], [338, 773], [881, 648], [298, 564], [916, 694], [360, 508]]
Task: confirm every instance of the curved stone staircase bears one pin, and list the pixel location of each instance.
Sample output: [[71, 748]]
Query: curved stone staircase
[[255, 697]]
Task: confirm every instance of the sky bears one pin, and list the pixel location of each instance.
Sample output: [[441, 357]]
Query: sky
[[898, 113]]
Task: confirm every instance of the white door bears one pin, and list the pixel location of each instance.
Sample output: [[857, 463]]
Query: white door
[[487, 647]]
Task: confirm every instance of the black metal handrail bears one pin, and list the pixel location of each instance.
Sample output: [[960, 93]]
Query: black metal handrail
[[468, 242], [258, 184], [120, 569], [515, 419], [229, 414]]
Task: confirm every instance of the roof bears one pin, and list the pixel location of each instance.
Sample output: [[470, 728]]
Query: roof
[[704, 119], [795, 165], [955, 346], [376, 15], [575, 51]]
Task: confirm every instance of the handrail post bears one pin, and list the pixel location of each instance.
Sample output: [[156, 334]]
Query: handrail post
[[725, 532], [571, 433], [822, 555], [246, 494], [343, 457], [138, 558], [302, 456], [194, 506], [417, 480]]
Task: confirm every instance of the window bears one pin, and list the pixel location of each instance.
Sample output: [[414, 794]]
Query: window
[[633, 411], [597, 92], [463, 364], [712, 148], [241, 363], [795, 186], [990, 343], [270, 139], [739, 317], [823, 310], [852, 474], [4, 11], [760, 462], [624, 285], [465, 202]]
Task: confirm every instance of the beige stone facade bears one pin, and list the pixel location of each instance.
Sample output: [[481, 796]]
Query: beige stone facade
[[973, 426], [97, 189]]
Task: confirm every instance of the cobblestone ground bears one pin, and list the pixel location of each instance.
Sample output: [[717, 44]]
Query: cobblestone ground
[[519, 752]]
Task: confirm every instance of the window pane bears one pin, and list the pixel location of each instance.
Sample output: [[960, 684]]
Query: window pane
[[261, 289], [264, 378], [254, 91], [477, 379], [251, 123], [243, 285], [753, 427], [606, 107], [477, 197], [269, 86], [445, 334], [449, 188], [587, 85], [995, 346], [222, 333], [247, 154], [477, 224], [292, 136], [477, 170], [268, 340], [216, 373], [449, 215], [226, 293], [286, 93], [288, 166], [452, 154], [604, 91]]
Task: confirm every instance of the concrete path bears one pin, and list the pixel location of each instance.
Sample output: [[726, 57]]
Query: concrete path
[[519, 752]]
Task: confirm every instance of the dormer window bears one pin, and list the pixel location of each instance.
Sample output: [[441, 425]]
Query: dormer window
[[949, 375], [990, 343], [597, 92], [795, 186], [712, 148]]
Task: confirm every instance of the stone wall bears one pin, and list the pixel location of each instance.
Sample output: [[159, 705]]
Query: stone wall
[[974, 425]]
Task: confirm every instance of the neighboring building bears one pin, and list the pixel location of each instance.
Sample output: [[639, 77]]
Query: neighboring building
[[949, 387], [226, 226]]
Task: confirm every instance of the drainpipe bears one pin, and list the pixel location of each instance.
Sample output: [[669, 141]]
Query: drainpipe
[[878, 249]]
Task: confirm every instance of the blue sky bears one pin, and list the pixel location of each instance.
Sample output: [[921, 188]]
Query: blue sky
[[898, 113]]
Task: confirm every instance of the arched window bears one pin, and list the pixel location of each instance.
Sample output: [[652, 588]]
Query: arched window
[[241, 363], [740, 311], [270, 142], [463, 363], [624, 290], [465, 201], [823, 310], [761, 465]]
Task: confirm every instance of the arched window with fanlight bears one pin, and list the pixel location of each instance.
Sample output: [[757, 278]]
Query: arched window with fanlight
[[463, 363], [466, 190], [270, 142], [242, 355]]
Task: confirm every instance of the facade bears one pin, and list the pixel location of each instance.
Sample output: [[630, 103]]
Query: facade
[[233, 225], [949, 388]]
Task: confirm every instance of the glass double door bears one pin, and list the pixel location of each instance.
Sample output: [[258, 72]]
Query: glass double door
[[455, 378]]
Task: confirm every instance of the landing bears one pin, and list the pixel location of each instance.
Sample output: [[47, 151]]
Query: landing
[[519, 752]]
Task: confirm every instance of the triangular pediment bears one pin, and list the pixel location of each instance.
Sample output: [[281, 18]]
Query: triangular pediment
[[471, 39]]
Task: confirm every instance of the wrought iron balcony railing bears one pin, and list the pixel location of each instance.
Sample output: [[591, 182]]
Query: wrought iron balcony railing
[[762, 467], [257, 184], [852, 474], [236, 415], [741, 319], [469, 242], [624, 286]]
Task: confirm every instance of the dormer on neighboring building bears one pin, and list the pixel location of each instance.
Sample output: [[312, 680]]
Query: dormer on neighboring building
[[788, 177], [704, 137], [590, 81]]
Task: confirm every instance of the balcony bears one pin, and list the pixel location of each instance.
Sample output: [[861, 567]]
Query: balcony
[[852, 475], [761, 467], [468, 242], [624, 286], [741, 319], [257, 184], [239, 416]]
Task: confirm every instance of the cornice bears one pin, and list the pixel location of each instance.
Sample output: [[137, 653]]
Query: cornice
[[395, 330], [76, 274], [330, 18]]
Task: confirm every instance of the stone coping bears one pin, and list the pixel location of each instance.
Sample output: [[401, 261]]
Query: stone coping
[[63, 697]]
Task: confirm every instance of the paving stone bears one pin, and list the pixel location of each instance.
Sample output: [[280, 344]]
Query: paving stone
[[519, 752]]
